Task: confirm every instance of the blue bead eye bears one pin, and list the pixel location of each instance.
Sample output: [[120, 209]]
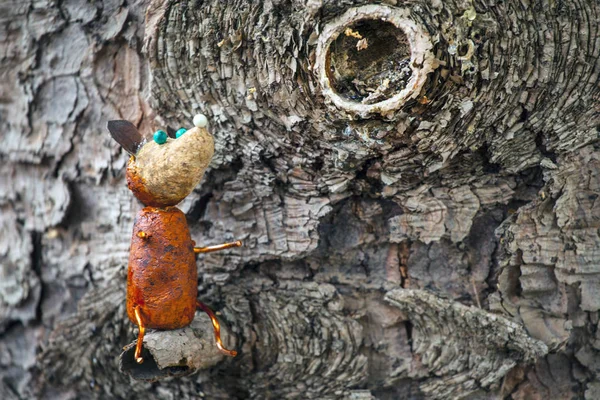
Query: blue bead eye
[[160, 137], [180, 132]]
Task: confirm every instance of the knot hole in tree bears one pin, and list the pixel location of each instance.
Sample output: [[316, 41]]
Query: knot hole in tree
[[372, 59], [369, 62]]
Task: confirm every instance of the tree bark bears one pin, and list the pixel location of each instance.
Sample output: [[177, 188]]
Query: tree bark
[[415, 184]]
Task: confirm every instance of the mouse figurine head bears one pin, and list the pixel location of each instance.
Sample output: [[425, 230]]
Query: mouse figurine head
[[163, 171]]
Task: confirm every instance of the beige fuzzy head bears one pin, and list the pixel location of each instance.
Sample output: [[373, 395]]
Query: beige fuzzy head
[[162, 175]]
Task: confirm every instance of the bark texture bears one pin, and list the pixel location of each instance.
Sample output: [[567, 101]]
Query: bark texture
[[446, 248]]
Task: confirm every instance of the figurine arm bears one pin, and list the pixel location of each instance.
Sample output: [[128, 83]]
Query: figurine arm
[[218, 247]]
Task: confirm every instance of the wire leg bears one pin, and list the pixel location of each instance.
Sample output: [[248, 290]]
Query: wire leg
[[216, 328], [140, 339], [218, 247]]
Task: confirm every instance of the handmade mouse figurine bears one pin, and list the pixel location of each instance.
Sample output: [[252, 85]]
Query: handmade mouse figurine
[[162, 276]]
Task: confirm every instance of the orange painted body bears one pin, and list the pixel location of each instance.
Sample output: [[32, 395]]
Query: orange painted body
[[162, 278]]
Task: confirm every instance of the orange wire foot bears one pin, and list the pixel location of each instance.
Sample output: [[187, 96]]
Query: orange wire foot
[[138, 346], [216, 328]]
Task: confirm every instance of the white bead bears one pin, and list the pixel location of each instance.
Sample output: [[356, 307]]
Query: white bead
[[200, 120]]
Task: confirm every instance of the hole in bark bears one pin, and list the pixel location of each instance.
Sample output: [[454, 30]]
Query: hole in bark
[[372, 59], [369, 62]]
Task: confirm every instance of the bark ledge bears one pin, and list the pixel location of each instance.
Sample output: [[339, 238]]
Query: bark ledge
[[175, 353]]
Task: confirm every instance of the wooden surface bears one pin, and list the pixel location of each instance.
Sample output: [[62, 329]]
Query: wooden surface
[[480, 192]]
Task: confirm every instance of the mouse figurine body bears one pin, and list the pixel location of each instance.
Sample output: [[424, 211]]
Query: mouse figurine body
[[162, 278]]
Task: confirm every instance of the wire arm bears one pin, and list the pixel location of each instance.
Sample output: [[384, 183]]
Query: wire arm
[[209, 249]]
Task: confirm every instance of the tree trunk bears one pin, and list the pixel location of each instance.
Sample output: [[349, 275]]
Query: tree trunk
[[415, 184]]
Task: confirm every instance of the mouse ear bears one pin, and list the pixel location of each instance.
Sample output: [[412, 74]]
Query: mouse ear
[[171, 132], [126, 134]]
